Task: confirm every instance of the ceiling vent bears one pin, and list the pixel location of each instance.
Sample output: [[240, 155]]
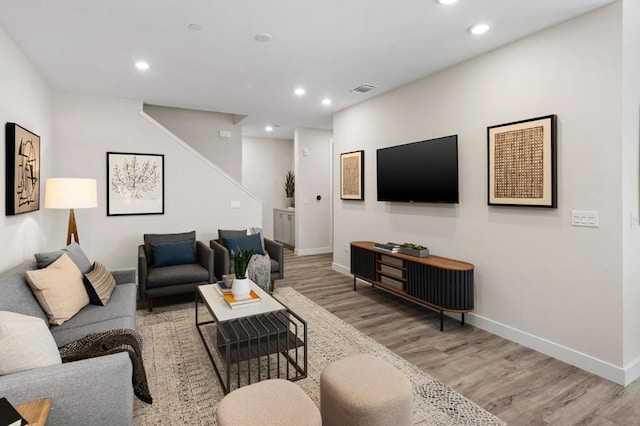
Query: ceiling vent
[[363, 88]]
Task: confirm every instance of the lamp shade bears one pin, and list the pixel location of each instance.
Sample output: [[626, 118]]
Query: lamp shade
[[70, 193]]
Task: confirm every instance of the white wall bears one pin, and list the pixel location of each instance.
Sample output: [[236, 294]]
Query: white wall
[[197, 196], [200, 129], [312, 150], [630, 187], [265, 161], [538, 280], [26, 99]]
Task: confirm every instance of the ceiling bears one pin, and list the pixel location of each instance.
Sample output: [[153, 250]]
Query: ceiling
[[328, 47]]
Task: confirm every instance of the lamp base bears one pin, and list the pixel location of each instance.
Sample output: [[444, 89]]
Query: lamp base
[[72, 229]]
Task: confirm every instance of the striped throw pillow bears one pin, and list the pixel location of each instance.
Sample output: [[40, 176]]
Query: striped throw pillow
[[99, 284]]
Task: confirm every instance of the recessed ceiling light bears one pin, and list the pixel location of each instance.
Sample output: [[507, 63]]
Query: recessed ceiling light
[[269, 128], [262, 37], [299, 91], [326, 101], [195, 27], [479, 29], [142, 65], [446, 2]]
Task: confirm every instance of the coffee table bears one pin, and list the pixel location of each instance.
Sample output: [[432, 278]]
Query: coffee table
[[251, 343]]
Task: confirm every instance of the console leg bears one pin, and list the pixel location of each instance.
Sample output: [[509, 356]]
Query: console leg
[[354, 283], [441, 320], [462, 320]]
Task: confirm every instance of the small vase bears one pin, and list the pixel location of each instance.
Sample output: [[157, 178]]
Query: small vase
[[240, 288]]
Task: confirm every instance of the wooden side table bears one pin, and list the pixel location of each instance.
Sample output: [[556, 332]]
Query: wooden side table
[[35, 412]]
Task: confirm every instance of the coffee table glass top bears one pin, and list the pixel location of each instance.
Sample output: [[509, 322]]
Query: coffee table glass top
[[219, 308]]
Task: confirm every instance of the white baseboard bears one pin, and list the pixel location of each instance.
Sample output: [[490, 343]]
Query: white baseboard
[[341, 269], [309, 252], [618, 375]]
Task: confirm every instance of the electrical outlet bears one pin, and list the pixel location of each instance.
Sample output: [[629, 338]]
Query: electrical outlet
[[635, 220], [585, 218]]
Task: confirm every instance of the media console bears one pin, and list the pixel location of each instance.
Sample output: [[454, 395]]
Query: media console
[[438, 283]]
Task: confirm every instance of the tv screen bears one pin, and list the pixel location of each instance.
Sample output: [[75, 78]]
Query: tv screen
[[421, 172]]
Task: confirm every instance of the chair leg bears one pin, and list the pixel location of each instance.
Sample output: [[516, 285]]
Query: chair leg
[[273, 286], [150, 304]]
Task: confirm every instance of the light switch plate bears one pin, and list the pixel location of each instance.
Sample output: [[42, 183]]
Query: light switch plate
[[585, 218]]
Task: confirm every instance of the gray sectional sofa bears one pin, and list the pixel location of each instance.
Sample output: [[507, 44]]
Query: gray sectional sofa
[[96, 391]]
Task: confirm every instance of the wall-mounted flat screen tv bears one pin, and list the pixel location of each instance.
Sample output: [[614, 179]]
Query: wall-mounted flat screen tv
[[421, 172]]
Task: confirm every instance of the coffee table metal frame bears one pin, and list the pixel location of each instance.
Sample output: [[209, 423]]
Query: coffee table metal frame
[[251, 333]]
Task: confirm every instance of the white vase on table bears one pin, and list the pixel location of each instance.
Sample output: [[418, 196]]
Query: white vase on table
[[241, 288]]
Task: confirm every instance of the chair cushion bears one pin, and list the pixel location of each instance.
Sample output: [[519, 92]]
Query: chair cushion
[[174, 253], [59, 289], [176, 274], [164, 238], [73, 250], [275, 265], [247, 242], [224, 234], [99, 284]]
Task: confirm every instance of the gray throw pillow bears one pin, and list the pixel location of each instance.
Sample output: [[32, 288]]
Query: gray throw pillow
[[73, 250], [224, 234]]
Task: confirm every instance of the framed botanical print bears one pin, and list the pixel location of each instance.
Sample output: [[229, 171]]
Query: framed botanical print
[[135, 183]]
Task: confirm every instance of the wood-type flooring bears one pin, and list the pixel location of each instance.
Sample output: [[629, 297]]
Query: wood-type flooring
[[519, 385]]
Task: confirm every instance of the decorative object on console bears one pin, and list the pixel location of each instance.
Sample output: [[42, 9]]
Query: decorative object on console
[[290, 187], [23, 170], [522, 163], [71, 193], [352, 175], [416, 250], [135, 184]]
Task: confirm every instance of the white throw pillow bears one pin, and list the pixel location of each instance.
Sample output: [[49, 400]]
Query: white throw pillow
[[59, 289], [25, 343]]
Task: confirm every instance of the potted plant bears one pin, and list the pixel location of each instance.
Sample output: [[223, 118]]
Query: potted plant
[[290, 187], [241, 287], [416, 250]]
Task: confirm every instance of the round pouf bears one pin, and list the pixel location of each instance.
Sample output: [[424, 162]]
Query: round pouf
[[271, 402], [364, 390]]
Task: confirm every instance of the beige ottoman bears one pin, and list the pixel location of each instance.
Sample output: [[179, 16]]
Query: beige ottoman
[[364, 390], [271, 402]]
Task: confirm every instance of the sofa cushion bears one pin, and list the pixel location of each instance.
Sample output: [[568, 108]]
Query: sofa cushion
[[175, 253], [15, 293], [176, 274], [73, 250], [99, 284], [121, 304], [164, 238], [25, 343], [68, 335], [59, 289], [248, 242]]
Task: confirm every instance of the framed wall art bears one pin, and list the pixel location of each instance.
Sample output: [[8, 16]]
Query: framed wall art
[[135, 183], [352, 175], [522, 163], [23, 170]]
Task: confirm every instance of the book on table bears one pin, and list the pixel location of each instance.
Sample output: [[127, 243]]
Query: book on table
[[388, 247], [250, 300], [9, 416], [222, 288]]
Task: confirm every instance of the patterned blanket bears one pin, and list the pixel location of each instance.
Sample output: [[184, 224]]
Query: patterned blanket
[[110, 342], [259, 270]]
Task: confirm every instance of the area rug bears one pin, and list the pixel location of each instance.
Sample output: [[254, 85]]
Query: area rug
[[185, 389]]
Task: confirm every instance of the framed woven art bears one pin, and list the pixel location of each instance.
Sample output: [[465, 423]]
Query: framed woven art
[[23, 170], [522, 163], [352, 175]]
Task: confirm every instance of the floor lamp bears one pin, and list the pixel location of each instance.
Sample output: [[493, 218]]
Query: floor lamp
[[71, 193]]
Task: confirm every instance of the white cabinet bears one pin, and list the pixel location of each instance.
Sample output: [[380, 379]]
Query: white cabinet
[[284, 226]]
